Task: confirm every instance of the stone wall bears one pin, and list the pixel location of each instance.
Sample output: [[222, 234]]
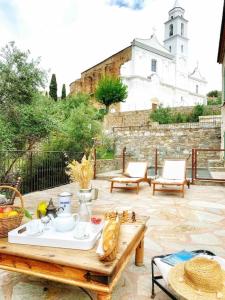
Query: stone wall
[[174, 141], [141, 117], [110, 66]]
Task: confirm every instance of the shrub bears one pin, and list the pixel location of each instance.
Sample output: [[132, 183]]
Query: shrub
[[168, 116], [162, 115]]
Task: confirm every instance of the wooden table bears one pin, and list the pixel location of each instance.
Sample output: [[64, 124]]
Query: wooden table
[[76, 267]]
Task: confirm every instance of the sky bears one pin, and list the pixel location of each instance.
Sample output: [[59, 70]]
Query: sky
[[71, 36]]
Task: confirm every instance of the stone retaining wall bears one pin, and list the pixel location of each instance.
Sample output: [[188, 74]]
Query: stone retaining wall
[[141, 117], [173, 142]]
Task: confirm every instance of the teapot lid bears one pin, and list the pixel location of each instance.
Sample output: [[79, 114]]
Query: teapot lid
[[65, 194]]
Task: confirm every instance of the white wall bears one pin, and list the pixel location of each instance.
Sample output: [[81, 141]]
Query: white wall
[[170, 84]]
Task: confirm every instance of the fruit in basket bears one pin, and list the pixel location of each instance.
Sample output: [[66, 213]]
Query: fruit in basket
[[2, 215], [13, 213], [7, 209], [1, 209]]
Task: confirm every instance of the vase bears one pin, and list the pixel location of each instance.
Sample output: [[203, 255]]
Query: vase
[[85, 204]]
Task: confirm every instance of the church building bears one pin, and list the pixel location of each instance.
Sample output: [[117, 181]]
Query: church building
[[155, 74]]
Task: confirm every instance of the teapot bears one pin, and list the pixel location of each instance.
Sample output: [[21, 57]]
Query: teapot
[[65, 222]]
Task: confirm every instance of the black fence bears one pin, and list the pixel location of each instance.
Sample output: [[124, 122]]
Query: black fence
[[39, 170]]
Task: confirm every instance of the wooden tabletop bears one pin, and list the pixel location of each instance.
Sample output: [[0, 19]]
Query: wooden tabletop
[[86, 260]]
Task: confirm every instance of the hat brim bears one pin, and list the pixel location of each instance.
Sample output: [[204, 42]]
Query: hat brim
[[185, 290]]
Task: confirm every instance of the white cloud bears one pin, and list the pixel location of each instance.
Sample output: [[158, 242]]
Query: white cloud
[[73, 35]]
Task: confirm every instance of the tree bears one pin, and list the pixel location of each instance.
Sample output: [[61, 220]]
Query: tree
[[78, 125], [20, 76], [213, 93], [23, 110], [63, 95], [214, 97], [53, 88], [110, 90]]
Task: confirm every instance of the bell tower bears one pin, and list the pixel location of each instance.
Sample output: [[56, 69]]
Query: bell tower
[[176, 40]]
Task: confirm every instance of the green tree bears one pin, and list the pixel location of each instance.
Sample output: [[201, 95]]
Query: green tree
[[23, 111], [213, 93], [77, 125], [63, 95], [110, 90], [214, 97], [20, 76], [53, 88]]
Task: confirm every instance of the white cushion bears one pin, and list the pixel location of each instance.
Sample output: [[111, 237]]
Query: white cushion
[[165, 181], [136, 169], [174, 169], [126, 179]]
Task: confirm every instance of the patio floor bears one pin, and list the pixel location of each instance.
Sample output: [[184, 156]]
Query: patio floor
[[196, 221]]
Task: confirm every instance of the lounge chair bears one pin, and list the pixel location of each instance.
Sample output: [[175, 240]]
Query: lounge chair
[[173, 174], [135, 173]]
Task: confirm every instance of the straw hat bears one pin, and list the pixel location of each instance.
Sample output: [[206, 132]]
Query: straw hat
[[198, 279]]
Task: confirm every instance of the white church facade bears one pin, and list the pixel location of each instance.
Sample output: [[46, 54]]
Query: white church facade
[[155, 74], [159, 74]]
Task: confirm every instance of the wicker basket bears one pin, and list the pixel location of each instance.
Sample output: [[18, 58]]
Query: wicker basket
[[10, 223]]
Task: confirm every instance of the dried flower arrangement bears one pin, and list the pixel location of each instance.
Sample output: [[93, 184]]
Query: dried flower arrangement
[[81, 172]]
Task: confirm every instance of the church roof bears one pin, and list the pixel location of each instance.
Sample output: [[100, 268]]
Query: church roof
[[197, 75], [152, 44]]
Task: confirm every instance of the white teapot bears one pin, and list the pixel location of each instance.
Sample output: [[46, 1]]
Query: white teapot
[[65, 222]]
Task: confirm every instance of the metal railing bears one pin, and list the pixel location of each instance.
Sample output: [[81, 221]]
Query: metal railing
[[211, 160], [203, 124], [202, 164], [39, 170]]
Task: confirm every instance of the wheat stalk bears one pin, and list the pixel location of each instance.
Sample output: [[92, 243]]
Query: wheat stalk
[[81, 172]]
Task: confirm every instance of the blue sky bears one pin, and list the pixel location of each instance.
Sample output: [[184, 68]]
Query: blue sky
[[8, 12], [134, 4], [71, 36]]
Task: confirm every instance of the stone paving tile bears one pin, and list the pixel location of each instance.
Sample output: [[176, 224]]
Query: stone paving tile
[[196, 221]]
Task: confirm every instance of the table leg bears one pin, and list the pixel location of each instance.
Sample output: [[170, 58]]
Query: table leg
[[139, 255], [107, 296]]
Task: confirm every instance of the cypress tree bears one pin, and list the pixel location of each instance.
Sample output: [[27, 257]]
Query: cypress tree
[[53, 88], [63, 95]]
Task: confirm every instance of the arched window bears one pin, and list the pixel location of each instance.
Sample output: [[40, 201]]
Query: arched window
[[182, 29], [170, 48], [154, 65], [182, 48], [171, 29], [196, 89]]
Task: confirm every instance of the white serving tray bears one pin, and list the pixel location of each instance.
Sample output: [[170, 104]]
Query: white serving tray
[[52, 238]]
